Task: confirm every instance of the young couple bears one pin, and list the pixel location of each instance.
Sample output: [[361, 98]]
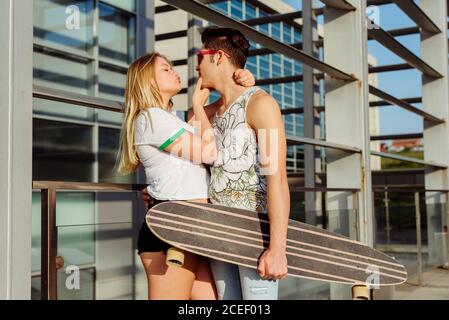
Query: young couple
[[241, 136]]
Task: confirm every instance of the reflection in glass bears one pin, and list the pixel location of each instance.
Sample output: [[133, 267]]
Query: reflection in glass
[[112, 84], [62, 151], [108, 150], [64, 23], [129, 5], [117, 35], [55, 108], [75, 244], [395, 223], [61, 73]]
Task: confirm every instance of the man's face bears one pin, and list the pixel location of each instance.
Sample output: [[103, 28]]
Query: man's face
[[207, 65]]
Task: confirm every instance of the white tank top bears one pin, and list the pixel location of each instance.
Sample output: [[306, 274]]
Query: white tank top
[[169, 177], [236, 180]]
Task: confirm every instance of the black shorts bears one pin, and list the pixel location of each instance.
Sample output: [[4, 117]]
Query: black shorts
[[147, 241]]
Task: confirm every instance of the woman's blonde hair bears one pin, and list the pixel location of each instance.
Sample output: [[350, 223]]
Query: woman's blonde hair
[[141, 93]]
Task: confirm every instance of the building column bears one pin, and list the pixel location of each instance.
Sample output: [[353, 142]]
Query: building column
[[435, 97], [145, 26], [16, 52], [347, 122], [194, 44], [144, 43], [311, 116]]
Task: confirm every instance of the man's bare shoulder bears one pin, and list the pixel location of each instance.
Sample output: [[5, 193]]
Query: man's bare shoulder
[[263, 110], [261, 95], [262, 101]]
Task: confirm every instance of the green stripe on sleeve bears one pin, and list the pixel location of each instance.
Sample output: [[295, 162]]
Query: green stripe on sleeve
[[171, 139]]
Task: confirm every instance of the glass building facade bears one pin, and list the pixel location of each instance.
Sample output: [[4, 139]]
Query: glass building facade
[[67, 58], [84, 47], [272, 66]]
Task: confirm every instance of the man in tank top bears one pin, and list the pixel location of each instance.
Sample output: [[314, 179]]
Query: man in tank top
[[250, 169]]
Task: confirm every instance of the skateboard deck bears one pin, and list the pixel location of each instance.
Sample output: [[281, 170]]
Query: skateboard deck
[[240, 236]]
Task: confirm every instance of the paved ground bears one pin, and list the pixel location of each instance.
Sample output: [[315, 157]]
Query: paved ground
[[435, 286]]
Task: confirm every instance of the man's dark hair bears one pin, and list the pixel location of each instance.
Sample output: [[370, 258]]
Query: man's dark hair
[[232, 41]]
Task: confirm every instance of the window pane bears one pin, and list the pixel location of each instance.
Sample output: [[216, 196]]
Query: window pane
[[117, 35], [62, 151], [288, 101], [236, 9], [112, 84], [66, 23], [264, 28], [108, 150], [296, 36], [55, 108], [250, 11], [298, 67], [110, 117], [129, 5], [287, 33], [61, 73], [75, 244], [220, 6], [276, 70], [276, 58], [264, 73], [276, 30], [253, 69], [236, 13], [288, 67], [214, 96]]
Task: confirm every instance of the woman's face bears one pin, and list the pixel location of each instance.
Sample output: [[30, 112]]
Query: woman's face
[[167, 78]]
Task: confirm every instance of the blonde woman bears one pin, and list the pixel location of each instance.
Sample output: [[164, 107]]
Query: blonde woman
[[172, 153]]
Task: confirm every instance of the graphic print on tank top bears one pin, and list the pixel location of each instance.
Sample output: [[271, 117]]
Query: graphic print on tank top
[[236, 180]]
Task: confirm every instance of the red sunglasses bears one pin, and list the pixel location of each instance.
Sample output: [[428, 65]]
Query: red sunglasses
[[200, 54]]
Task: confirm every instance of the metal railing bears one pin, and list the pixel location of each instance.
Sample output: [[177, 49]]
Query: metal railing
[[48, 224], [48, 191], [411, 189]]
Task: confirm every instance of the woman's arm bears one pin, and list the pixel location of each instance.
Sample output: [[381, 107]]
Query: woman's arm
[[202, 122], [209, 109], [199, 147]]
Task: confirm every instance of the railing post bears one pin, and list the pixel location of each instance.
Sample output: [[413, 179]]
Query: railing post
[[325, 221], [373, 206], [48, 244], [355, 208], [418, 237], [387, 213]]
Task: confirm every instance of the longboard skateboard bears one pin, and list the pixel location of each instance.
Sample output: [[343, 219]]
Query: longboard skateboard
[[240, 236]]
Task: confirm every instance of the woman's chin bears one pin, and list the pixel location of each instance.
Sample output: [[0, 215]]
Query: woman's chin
[[176, 90]]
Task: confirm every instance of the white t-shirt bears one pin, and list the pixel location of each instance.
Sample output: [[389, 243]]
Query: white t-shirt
[[169, 177]]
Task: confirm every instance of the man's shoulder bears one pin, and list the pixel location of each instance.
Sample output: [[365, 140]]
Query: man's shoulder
[[261, 107], [261, 99]]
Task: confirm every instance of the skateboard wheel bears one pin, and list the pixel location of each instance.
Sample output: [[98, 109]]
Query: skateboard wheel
[[175, 257], [360, 292]]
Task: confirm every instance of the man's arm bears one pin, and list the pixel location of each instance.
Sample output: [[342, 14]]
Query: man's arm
[[264, 116]]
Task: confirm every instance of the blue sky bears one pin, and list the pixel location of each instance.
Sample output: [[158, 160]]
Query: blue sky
[[401, 84]]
